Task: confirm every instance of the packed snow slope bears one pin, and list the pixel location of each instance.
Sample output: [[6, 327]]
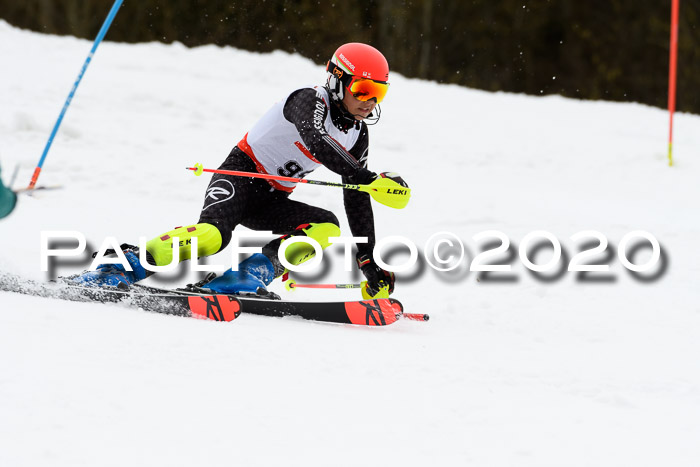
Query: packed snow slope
[[550, 369]]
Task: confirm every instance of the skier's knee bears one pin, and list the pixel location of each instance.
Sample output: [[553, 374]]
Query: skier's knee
[[326, 217], [300, 252], [321, 232]]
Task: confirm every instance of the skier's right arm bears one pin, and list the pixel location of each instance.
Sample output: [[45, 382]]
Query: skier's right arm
[[307, 110]]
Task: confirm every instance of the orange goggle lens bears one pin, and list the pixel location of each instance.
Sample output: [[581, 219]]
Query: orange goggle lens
[[367, 89]]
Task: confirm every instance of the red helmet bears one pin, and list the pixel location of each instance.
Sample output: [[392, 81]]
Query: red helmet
[[360, 68]]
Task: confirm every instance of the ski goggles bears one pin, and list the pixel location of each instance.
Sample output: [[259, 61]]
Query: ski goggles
[[364, 89]]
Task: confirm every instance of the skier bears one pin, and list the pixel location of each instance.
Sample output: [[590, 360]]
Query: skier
[[312, 126], [8, 200]]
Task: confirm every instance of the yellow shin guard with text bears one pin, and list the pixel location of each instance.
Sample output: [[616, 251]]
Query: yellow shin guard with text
[[299, 252], [208, 243]]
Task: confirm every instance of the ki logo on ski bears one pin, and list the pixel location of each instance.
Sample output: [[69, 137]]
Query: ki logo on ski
[[214, 310], [217, 307], [374, 312]]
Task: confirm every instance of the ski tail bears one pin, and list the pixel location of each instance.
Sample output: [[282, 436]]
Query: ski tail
[[203, 306]]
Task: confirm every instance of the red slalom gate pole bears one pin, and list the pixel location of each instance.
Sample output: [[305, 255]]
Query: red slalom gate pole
[[673, 63]]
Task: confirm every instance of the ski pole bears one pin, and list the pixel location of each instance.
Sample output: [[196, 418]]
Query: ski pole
[[292, 284], [98, 39], [384, 190]]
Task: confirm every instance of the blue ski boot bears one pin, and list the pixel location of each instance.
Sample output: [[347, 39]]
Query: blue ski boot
[[253, 273], [114, 275]]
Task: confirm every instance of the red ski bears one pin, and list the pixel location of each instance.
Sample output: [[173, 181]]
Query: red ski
[[379, 312]]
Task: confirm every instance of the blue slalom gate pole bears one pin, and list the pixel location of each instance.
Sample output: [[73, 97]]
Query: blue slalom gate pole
[[98, 39]]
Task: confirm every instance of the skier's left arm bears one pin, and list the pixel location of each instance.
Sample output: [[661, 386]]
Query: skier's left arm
[[306, 109], [358, 208]]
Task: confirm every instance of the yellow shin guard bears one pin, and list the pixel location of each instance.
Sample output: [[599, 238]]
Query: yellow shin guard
[[208, 243], [300, 252]]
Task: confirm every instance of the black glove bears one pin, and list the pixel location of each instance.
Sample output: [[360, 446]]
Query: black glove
[[376, 276], [363, 176]]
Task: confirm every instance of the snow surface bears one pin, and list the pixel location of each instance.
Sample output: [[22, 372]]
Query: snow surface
[[526, 372]]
